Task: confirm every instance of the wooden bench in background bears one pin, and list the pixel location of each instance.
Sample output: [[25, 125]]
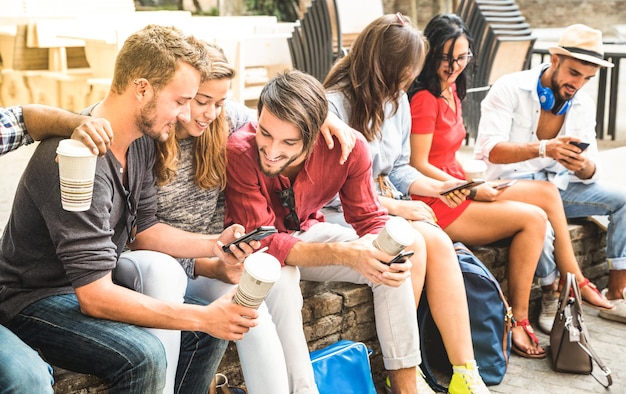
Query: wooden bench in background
[[68, 60]]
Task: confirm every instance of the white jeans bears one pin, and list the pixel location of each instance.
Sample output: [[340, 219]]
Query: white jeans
[[162, 277], [394, 307], [260, 351], [274, 355]]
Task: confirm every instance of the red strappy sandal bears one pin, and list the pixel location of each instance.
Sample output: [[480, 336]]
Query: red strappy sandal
[[528, 329], [593, 287]]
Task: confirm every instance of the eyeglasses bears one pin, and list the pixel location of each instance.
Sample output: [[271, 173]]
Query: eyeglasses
[[131, 220], [288, 200], [461, 61]]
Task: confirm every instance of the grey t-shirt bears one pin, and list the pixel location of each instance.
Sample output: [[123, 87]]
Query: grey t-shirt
[[46, 250], [182, 204]]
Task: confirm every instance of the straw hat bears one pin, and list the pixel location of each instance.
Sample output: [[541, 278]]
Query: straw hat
[[583, 43]]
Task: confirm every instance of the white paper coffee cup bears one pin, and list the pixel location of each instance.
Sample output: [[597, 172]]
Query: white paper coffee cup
[[397, 235], [260, 272], [474, 169], [77, 169]]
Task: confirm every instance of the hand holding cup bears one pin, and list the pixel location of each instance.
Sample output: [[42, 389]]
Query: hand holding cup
[[396, 236], [260, 271]]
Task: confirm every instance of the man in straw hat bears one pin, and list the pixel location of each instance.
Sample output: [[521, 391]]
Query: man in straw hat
[[531, 125]]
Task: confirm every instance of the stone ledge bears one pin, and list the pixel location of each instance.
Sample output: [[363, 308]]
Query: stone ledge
[[334, 311]]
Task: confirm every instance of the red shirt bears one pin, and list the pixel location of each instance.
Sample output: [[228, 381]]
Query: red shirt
[[251, 198]]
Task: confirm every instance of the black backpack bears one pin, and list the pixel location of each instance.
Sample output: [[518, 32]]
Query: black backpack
[[490, 320]]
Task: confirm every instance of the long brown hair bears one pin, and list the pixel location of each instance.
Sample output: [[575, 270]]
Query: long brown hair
[[379, 66], [210, 148]]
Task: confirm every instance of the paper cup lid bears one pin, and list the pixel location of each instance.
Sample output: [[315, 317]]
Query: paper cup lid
[[400, 230], [263, 266], [70, 147]]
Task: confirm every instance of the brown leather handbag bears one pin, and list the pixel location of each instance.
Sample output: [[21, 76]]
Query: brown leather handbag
[[569, 339]]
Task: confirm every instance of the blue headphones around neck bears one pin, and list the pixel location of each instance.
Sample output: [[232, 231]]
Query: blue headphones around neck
[[547, 99]]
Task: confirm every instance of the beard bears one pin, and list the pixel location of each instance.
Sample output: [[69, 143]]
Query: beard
[[145, 122], [279, 170], [556, 88]]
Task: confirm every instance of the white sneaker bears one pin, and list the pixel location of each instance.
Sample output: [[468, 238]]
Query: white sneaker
[[619, 312], [549, 306], [422, 385]]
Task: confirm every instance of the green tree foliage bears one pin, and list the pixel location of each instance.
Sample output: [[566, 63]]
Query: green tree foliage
[[284, 10]]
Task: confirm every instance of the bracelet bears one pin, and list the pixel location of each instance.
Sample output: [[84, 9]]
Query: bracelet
[[542, 148], [472, 194]]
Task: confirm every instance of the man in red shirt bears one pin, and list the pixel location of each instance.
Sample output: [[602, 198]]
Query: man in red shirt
[[281, 173]]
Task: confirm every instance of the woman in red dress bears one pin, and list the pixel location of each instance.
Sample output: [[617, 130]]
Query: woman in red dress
[[490, 213]]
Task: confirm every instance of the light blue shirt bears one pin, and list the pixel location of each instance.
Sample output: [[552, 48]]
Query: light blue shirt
[[510, 112], [391, 150]]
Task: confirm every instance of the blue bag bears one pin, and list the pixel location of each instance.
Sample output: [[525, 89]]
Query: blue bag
[[343, 368], [490, 320]]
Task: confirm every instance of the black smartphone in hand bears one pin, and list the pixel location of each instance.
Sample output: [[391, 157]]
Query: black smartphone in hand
[[467, 185], [401, 257], [581, 145], [256, 235]]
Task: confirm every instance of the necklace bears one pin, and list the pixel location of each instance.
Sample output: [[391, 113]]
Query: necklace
[[447, 94]]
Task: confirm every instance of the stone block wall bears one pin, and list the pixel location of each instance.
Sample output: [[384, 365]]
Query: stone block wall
[[334, 311]]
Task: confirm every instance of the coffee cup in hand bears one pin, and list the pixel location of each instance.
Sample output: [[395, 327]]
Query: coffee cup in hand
[[474, 169], [397, 235], [260, 272], [77, 169]]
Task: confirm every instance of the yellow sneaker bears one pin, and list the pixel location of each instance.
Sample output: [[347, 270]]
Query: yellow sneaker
[[422, 386], [466, 380]]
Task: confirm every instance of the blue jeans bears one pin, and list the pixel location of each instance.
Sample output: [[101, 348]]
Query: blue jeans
[[592, 199], [128, 357], [21, 368]]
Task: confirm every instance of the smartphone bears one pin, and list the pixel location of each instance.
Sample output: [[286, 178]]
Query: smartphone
[[467, 185], [401, 257], [504, 185], [256, 235], [581, 145]]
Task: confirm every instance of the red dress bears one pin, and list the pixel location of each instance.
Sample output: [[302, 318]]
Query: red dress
[[430, 114]]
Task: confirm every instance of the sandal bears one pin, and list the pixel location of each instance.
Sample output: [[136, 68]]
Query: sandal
[[583, 284], [528, 329]]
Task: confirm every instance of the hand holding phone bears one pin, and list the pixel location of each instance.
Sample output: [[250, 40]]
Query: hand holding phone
[[467, 185], [581, 145], [506, 184], [401, 257], [255, 235]]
